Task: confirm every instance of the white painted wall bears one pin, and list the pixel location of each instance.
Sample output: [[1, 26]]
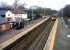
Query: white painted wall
[[9, 14], [15, 17], [24, 16], [21, 15], [18, 17]]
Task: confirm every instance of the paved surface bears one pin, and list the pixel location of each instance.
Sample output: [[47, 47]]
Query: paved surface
[[62, 41], [7, 35]]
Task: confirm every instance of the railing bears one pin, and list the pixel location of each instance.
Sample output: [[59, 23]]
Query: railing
[[51, 39]]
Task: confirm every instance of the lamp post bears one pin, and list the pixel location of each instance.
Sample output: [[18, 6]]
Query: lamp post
[[32, 14], [62, 15], [43, 12]]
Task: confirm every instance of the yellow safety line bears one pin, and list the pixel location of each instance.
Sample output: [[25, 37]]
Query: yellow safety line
[[50, 42]]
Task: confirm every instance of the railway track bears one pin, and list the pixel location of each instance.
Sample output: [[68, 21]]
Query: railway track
[[34, 39]]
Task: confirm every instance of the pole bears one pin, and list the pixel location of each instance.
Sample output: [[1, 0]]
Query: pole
[[62, 15], [32, 15], [44, 11]]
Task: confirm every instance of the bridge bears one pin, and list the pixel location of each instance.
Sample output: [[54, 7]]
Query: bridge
[[46, 34]]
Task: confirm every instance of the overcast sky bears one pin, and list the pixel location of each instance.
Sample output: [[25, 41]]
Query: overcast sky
[[54, 4]]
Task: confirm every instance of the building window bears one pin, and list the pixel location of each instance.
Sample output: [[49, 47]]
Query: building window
[[8, 14]]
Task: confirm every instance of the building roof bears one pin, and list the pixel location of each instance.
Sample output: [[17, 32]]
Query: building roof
[[3, 10], [19, 11], [3, 20]]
